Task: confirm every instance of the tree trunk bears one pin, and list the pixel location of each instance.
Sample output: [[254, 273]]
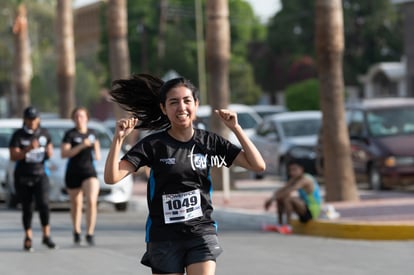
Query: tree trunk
[[118, 44], [338, 172], [218, 57], [22, 64], [66, 68]]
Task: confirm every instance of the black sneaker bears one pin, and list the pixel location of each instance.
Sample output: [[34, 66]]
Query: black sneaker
[[49, 243], [90, 240], [76, 238], [27, 245]]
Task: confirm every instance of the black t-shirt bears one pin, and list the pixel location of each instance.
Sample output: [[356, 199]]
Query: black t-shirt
[[33, 163], [83, 162], [179, 187]]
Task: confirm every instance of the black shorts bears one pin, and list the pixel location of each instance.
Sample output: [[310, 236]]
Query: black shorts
[[74, 180], [306, 217], [173, 256]]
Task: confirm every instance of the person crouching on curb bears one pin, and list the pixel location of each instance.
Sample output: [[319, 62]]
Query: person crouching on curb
[[307, 205]]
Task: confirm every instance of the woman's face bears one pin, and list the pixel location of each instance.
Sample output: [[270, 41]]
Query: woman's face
[[180, 107], [32, 123], [80, 118]]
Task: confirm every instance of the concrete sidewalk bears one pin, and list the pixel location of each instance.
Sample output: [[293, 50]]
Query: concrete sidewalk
[[379, 215]]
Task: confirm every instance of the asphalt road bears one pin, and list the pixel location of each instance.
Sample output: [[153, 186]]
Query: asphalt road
[[120, 244]]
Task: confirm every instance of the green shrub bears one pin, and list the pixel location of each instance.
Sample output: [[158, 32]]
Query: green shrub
[[303, 95]]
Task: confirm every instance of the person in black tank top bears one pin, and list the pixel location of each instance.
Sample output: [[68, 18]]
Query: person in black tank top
[[81, 146], [179, 225], [30, 147]]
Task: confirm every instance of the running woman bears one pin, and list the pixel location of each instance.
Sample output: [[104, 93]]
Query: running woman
[[30, 147], [81, 146], [181, 235]]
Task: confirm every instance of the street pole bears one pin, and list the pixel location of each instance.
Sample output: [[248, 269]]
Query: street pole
[[201, 67]]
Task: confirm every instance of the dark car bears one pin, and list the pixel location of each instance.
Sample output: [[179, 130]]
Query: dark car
[[381, 134]]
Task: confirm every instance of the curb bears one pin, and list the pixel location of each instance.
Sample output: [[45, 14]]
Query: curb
[[355, 230]]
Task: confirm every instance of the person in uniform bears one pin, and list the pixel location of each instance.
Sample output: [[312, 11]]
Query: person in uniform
[[30, 147], [81, 146], [181, 235]]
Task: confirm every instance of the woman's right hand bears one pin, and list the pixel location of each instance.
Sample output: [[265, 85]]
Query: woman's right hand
[[125, 126]]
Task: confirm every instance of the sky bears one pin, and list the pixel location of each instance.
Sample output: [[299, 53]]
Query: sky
[[265, 8], [262, 8]]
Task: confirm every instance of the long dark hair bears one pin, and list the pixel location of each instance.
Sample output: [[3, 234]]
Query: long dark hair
[[142, 94]]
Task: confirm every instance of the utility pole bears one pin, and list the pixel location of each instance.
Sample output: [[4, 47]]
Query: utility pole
[[201, 53]]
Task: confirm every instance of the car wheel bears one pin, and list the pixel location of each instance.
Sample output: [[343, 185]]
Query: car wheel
[[122, 206], [375, 180]]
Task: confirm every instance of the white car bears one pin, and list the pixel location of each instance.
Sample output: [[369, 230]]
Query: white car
[[119, 194], [246, 116], [7, 128], [287, 135]]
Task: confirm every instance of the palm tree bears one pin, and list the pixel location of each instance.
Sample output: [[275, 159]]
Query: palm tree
[[66, 68], [118, 43], [338, 172], [22, 64], [218, 58]]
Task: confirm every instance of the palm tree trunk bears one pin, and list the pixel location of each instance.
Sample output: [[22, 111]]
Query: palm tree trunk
[[22, 64], [118, 44], [338, 172], [218, 58], [66, 68]]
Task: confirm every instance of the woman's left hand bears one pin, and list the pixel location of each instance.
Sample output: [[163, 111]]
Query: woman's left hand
[[228, 117]]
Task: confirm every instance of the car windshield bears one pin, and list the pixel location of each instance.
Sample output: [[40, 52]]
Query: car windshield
[[391, 122], [300, 128], [57, 133], [246, 121]]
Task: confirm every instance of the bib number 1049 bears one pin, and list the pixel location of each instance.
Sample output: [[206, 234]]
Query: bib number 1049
[[182, 206]]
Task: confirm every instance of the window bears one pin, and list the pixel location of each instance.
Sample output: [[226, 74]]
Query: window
[[356, 124]]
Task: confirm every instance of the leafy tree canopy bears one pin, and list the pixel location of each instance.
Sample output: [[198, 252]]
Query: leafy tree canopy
[[373, 33]]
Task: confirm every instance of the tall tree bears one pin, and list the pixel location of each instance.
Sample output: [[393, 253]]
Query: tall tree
[[22, 63], [218, 58], [373, 33], [338, 173], [66, 68], [118, 43]]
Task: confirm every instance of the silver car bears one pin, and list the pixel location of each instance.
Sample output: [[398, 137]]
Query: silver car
[[288, 135], [119, 194]]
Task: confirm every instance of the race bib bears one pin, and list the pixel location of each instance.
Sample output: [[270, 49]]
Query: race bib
[[36, 155], [182, 207]]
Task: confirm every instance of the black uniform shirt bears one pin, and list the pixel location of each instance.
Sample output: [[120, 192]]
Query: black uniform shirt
[[83, 162], [33, 163], [179, 188]]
